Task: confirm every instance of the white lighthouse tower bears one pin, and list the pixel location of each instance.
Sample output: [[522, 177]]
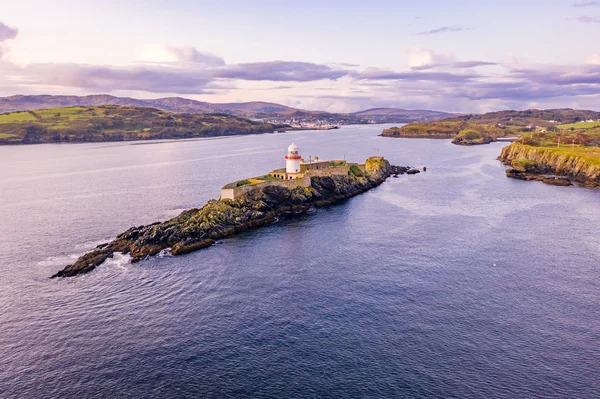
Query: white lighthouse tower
[[292, 163]]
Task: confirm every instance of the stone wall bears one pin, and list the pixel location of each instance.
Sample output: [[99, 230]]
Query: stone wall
[[341, 170], [232, 192]]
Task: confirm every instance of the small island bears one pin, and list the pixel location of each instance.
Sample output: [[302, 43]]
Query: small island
[[461, 133], [246, 204]]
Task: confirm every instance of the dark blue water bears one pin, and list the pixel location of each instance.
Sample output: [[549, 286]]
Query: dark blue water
[[457, 282]]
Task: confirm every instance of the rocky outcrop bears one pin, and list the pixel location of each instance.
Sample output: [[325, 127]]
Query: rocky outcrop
[[468, 138], [200, 228], [553, 166]]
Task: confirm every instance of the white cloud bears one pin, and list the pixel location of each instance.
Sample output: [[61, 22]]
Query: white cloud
[[594, 59], [419, 56], [158, 53]]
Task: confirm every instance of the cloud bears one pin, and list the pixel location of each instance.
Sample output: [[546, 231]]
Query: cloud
[[472, 64], [419, 56], [432, 80], [588, 19], [582, 4], [171, 54], [384, 74], [107, 78], [454, 65], [7, 33], [183, 79], [444, 29], [190, 54], [593, 59], [561, 76], [420, 59], [280, 71]]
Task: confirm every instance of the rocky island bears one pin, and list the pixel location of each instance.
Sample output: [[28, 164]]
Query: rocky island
[[244, 205]]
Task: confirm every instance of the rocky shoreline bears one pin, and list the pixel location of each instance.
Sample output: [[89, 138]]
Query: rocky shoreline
[[549, 166], [195, 229]]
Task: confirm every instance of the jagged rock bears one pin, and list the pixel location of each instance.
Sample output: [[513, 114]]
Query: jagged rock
[[200, 228], [413, 171], [528, 162]]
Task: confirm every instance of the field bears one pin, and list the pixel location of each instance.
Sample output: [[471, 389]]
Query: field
[[584, 144], [580, 125], [114, 123]]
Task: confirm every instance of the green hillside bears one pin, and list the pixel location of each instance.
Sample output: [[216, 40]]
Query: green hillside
[[114, 123], [486, 128], [580, 125]]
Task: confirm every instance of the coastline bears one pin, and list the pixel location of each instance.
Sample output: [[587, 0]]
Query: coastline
[[195, 229], [550, 165]]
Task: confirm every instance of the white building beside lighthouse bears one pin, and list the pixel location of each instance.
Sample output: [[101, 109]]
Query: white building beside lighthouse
[[297, 173], [296, 167], [292, 159]]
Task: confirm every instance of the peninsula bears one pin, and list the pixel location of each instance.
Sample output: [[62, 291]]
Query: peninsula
[[493, 126], [243, 205], [554, 146], [115, 123], [556, 157]]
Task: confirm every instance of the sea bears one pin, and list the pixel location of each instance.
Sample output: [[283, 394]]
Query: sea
[[453, 283]]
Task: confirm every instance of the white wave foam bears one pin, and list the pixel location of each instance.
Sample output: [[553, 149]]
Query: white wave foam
[[165, 253], [59, 260], [119, 260]]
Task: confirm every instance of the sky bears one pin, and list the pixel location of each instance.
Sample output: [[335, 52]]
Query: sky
[[337, 56]]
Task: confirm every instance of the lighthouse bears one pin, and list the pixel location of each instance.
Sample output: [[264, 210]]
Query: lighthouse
[[292, 159]]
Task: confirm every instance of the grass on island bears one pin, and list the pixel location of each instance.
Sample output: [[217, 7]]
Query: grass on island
[[425, 129], [114, 123], [267, 178], [465, 131]]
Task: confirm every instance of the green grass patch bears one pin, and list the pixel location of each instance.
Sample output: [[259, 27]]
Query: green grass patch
[[580, 125], [268, 178], [355, 171], [114, 123]]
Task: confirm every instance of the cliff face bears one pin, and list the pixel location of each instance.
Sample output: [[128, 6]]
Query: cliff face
[[537, 160], [199, 228]]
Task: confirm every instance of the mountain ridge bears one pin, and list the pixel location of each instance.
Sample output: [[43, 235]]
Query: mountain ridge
[[252, 109]]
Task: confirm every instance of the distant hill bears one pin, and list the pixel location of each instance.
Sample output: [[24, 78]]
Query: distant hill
[[253, 110], [534, 117], [178, 104], [398, 115], [116, 123], [485, 128]]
